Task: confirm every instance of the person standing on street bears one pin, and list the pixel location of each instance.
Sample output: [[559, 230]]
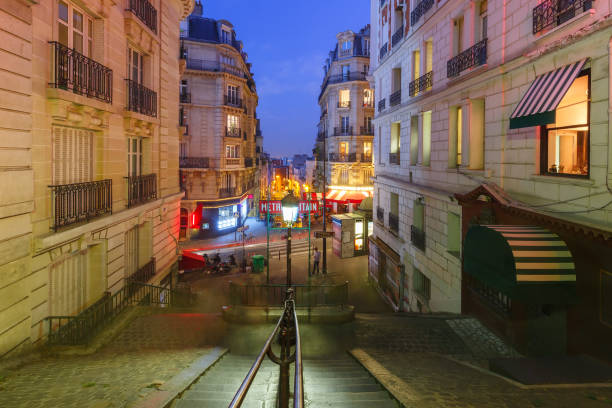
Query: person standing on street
[[317, 258]]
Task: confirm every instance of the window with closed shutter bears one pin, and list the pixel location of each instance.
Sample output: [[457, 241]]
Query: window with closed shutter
[[131, 252], [68, 285], [73, 155]]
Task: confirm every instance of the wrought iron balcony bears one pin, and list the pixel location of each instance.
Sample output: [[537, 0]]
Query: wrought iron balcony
[[383, 51], [214, 66], [366, 158], [421, 84], [551, 13], [344, 104], [233, 161], [227, 192], [368, 104], [339, 78], [420, 10], [417, 237], [381, 104], [77, 202], [141, 189], [232, 101], [380, 214], [343, 158], [194, 162], [145, 12], [233, 132], [394, 158], [343, 131], [144, 273], [367, 130], [75, 72], [393, 222], [395, 98], [185, 97], [397, 36], [474, 56], [182, 51], [141, 99], [248, 162]]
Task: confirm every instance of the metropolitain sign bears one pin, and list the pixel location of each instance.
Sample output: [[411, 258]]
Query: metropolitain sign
[[277, 208]]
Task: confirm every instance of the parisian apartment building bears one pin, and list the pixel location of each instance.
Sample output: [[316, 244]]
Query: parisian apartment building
[[89, 181], [493, 187], [221, 140], [345, 130]]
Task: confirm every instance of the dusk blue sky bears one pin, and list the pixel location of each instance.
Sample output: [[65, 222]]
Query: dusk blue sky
[[288, 42]]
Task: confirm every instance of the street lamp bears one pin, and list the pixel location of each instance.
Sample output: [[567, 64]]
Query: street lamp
[[289, 205]]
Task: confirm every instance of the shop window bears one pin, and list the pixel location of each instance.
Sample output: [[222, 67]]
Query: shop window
[[426, 144], [226, 217], [565, 143], [606, 297], [421, 285]]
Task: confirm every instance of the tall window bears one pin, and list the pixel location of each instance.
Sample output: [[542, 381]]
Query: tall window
[[233, 122], [346, 72], [344, 124], [366, 46], [74, 28], [131, 246], [367, 175], [458, 36], [343, 148], [367, 121], [453, 237], [134, 151], [183, 150], [418, 214], [232, 94], [414, 139], [455, 129], [426, 138], [344, 97], [421, 284], [343, 178], [367, 149], [232, 151], [226, 36], [416, 64], [368, 98], [428, 55], [136, 62], [347, 45], [73, 155], [483, 19], [68, 285], [366, 68], [184, 87], [395, 138], [565, 143]]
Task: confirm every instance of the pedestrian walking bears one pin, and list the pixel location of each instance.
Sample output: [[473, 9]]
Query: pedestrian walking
[[317, 258]]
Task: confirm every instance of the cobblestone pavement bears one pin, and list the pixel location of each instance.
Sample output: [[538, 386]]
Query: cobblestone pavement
[[481, 341], [151, 349]]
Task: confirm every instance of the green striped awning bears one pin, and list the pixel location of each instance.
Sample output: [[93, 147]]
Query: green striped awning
[[520, 261]]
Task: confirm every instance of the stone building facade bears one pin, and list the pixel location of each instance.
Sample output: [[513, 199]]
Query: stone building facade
[[89, 170], [345, 128], [220, 144], [495, 113]]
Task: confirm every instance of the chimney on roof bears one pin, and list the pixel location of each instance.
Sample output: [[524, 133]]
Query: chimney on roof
[[198, 10]]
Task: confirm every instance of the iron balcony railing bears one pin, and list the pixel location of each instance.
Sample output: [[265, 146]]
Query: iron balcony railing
[[232, 101], [344, 104], [343, 158], [141, 189], [274, 294], [380, 214], [214, 66], [144, 273], [233, 132], [339, 78], [287, 335], [397, 36], [141, 99], [395, 98], [75, 72], [248, 162], [366, 158], [551, 13], [145, 12], [474, 56], [381, 104], [182, 51], [393, 222], [420, 10], [343, 131], [383, 51], [227, 192], [421, 84], [367, 130], [417, 237], [185, 97], [80, 329], [78, 202], [394, 158]]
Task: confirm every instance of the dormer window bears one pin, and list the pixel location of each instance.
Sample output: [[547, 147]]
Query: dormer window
[[226, 36], [346, 47]]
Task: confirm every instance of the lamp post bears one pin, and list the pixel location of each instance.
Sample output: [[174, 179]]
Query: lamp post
[[289, 205]]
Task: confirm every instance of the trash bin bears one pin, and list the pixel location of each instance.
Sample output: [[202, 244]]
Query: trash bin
[[258, 263]]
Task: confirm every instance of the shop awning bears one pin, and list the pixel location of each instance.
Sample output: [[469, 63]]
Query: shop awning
[[538, 105], [528, 263], [344, 196]]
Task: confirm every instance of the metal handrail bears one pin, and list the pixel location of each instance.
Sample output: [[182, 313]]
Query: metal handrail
[[282, 329]]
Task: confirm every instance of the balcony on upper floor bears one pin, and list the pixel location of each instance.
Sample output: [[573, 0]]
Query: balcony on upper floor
[[397, 36], [344, 104], [366, 130], [233, 132], [346, 77], [381, 104], [76, 202], [141, 189], [185, 97], [417, 237], [393, 222], [227, 192], [194, 162], [395, 98], [233, 101], [383, 51], [343, 157], [233, 162], [421, 84], [474, 56], [145, 12], [419, 11], [551, 13], [365, 158], [75, 72], [214, 66], [343, 131], [141, 99]]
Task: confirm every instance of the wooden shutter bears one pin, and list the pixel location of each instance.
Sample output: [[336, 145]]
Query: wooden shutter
[[68, 279]]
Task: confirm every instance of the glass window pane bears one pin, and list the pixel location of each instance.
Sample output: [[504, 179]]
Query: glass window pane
[[63, 11], [77, 21], [90, 28], [568, 151], [62, 34], [77, 42]]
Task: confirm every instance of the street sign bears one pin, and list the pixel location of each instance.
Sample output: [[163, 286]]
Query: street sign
[[277, 208], [324, 234], [243, 228]]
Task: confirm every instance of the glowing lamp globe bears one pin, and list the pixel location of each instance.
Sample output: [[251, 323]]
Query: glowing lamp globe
[[289, 206]]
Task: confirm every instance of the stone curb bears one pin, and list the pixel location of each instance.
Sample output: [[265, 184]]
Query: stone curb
[[263, 314], [394, 385], [164, 395]]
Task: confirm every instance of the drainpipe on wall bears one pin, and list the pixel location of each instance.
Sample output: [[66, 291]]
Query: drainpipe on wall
[[608, 169]]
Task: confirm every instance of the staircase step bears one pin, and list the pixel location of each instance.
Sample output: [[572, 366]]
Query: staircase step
[[348, 396], [389, 403], [342, 387]]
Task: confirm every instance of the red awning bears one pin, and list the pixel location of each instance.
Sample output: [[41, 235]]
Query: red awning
[[344, 196]]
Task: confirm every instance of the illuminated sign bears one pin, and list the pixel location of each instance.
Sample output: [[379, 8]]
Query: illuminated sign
[[276, 207]]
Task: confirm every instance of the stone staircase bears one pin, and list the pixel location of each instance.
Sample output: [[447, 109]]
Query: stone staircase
[[340, 382]]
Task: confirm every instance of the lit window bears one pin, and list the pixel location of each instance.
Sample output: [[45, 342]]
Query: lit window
[[232, 151], [343, 148], [344, 98], [233, 122], [565, 143], [368, 98]]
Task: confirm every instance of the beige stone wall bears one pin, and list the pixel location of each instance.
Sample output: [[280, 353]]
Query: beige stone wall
[[31, 252], [515, 56]]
